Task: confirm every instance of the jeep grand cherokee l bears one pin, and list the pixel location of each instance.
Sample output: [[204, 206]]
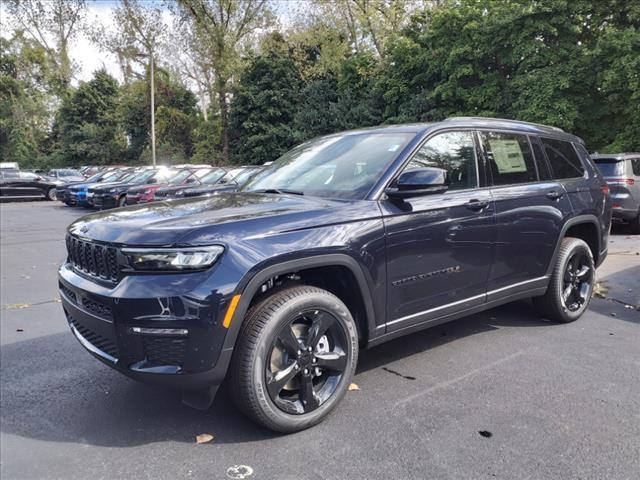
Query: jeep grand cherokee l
[[346, 241]]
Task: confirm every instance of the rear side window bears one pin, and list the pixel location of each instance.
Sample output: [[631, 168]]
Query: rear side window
[[563, 159], [510, 158]]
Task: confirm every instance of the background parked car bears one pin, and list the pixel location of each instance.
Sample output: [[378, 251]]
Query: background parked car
[[17, 184], [114, 194], [622, 173], [75, 194], [212, 177], [183, 177], [66, 174], [232, 180]]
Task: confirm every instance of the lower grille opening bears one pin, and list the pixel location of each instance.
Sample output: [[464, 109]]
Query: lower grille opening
[[161, 351], [68, 292], [100, 342], [97, 308]]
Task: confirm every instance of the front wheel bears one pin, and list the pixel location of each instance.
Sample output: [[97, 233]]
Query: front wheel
[[571, 283], [51, 194], [122, 201], [295, 357]]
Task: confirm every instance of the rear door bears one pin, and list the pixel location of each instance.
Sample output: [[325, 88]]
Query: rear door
[[439, 246], [530, 211]]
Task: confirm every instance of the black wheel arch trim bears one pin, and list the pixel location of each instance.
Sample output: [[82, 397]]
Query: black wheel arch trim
[[249, 286], [572, 222]]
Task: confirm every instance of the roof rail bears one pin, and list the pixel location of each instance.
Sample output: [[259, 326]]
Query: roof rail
[[506, 120]]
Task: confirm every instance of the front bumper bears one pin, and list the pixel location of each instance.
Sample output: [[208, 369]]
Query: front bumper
[[104, 200], [102, 318]]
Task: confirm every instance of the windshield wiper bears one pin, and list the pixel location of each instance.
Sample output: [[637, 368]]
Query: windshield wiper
[[279, 191]]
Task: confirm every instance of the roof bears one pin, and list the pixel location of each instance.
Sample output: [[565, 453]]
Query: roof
[[615, 156], [474, 122]]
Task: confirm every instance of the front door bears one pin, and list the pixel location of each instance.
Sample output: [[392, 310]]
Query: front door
[[439, 246]]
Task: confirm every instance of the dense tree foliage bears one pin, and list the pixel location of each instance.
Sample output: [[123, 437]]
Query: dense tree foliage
[[342, 64]]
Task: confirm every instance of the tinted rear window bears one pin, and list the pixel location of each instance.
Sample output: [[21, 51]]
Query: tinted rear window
[[563, 159], [610, 168]]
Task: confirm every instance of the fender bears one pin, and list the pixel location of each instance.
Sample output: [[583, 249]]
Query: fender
[[250, 285], [580, 219]]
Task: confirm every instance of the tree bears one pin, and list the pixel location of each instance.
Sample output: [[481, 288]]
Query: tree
[[52, 24], [24, 116], [89, 128], [264, 104], [222, 27]]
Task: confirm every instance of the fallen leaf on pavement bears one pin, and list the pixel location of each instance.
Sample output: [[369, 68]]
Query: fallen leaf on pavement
[[353, 387], [204, 438], [19, 330]]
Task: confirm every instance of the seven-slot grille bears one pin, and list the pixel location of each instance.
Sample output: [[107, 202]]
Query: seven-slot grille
[[95, 259]]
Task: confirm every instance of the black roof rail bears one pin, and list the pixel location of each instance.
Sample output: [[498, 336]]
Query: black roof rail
[[506, 120]]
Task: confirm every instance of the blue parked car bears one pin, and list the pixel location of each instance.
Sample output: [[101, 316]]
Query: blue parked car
[[75, 194]]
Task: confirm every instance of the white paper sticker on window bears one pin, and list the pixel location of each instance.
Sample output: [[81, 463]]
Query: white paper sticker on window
[[508, 156]]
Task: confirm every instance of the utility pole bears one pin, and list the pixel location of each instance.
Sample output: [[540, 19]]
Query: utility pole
[[153, 116]]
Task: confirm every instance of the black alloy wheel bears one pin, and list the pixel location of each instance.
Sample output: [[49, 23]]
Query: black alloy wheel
[[570, 284], [295, 356], [307, 362], [577, 281]]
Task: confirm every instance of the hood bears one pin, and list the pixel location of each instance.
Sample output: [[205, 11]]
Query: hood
[[221, 218]]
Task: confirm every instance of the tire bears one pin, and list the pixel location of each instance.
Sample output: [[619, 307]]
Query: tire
[[51, 194], [122, 201], [634, 224], [571, 283], [265, 349]]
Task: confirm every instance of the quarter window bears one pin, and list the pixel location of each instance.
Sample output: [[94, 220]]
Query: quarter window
[[635, 166], [510, 158], [453, 152], [563, 159]]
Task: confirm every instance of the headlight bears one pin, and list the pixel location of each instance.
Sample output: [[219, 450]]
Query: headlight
[[111, 190], [190, 258]]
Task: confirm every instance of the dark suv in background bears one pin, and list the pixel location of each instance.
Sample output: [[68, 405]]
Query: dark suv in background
[[622, 173], [346, 241]]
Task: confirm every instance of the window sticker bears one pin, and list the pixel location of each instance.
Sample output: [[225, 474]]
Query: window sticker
[[508, 156]]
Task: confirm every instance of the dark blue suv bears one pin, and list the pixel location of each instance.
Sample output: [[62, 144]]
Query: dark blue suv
[[346, 241]]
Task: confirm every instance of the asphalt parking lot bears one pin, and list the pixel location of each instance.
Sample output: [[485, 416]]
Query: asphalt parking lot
[[503, 394]]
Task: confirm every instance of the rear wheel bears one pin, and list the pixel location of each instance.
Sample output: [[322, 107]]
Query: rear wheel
[[122, 201], [51, 194], [571, 283], [295, 357]]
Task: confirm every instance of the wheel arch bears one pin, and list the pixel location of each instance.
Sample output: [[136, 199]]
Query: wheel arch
[[249, 289], [584, 227]]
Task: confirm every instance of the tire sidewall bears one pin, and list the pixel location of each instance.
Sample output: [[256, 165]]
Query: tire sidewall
[[284, 315], [578, 246]]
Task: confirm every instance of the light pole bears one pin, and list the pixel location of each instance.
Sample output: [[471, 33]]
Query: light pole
[[153, 116]]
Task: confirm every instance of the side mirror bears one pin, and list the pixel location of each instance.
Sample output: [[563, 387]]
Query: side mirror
[[152, 180], [419, 181], [190, 180]]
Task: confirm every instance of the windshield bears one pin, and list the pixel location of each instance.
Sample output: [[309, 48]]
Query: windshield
[[610, 168], [245, 175], [180, 177], [213, 177], [335, 166], [68, 173], [140, 177]]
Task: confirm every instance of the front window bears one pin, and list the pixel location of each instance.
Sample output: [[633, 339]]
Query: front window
[[452, 152], [336, 166]]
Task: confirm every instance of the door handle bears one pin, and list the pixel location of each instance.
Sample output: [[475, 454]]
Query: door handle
[[554, 195], [477, 204]]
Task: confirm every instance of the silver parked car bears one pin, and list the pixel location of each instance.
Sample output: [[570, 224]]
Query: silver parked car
[[622, 173]]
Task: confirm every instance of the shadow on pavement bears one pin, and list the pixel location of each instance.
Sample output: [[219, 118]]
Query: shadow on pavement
[[64, 395]]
